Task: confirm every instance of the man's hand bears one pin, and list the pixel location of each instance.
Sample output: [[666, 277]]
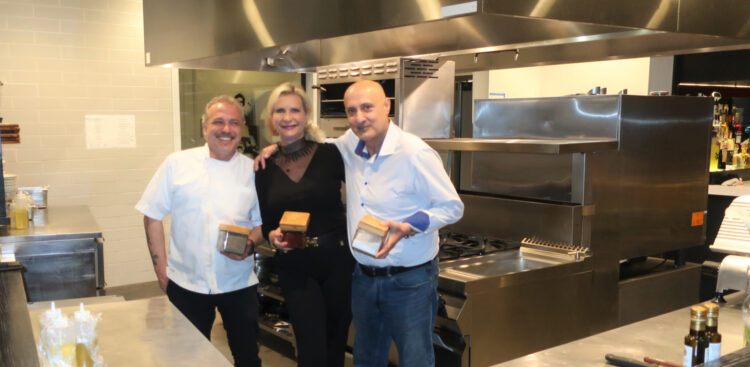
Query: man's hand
[[396, 231], [239, 257], [161, 275], [277, 240], [267, 152]]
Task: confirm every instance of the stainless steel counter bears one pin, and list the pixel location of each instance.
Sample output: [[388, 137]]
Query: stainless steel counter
[[61, 223], [659, 337], [63, 258], [148, 332]]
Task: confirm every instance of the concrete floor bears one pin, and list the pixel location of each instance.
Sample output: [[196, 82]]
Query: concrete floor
[[269, 357]]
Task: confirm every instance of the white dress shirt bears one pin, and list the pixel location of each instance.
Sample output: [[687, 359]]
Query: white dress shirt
[[404, 182], [200, 193]]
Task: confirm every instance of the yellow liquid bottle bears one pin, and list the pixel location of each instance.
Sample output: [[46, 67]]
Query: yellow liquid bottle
[[21, 218]]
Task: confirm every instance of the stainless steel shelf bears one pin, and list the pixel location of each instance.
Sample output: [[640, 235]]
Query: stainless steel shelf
[[538, 146]]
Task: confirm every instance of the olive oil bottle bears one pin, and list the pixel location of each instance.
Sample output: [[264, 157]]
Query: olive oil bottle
[[713, 352], [696, 342]]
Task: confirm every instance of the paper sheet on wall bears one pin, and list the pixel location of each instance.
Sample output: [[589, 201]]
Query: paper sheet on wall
[[110, 131]]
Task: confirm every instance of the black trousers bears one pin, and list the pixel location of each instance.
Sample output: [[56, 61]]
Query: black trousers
[[317, 285], [239, 311]]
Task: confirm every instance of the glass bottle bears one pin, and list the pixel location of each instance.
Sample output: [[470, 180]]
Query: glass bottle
[[695, 340], [713, 352]]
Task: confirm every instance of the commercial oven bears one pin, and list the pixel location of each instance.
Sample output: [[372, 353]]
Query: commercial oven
[[420, 91], [584, 184]]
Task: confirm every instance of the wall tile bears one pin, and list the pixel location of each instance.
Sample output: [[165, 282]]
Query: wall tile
[[31, 50], [15, 36], [57, 12], [20, 90], [67, 39], [57, 64], [23, 76], [33, 24], [18, 63], [16, 9]]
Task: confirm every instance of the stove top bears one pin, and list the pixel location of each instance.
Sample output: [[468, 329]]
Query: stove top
[[457, 245]]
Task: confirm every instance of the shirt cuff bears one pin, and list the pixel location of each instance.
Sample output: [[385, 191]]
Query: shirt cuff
[[419, 221]]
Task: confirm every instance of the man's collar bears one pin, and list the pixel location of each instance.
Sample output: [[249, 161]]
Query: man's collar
[[388, 146]]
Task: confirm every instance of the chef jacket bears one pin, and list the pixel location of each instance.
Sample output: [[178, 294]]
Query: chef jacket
[[200, 193], [404, 182]]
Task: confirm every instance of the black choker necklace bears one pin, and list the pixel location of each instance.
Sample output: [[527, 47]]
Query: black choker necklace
[[294, 151]]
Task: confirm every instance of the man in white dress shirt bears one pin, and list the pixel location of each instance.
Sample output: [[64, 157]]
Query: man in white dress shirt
[[202, 188], [396, 177]]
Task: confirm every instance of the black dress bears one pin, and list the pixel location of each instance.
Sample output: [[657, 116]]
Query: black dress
[[315, 281]]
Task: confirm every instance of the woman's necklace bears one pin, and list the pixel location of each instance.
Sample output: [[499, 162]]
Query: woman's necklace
[[294, 151]]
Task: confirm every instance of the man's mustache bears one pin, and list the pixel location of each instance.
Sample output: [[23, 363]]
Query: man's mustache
[[225, 135]]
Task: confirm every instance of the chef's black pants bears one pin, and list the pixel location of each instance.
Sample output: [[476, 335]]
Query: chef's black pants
[[317, 285], [239, 312]]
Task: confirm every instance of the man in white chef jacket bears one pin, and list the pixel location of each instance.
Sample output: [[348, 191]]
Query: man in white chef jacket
[[396, 177], [202, 188]]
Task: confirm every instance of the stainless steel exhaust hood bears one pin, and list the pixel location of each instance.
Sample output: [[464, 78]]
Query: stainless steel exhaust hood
[[298, 35]]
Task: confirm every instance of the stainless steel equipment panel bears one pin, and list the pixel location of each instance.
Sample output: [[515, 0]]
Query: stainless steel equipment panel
[[60, 269], [572, 117], [538, 146], [515, 219]]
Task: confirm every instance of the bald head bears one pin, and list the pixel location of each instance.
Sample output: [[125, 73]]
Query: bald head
[[367, 110], [366, 86]]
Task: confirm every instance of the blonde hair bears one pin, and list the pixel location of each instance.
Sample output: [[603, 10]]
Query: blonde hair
[[312, 132], [218, 99]]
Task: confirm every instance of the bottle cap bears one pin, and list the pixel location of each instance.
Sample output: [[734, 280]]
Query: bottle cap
[[712, 309], [698, 313], [82, 314], [59, 322], [53, 312]]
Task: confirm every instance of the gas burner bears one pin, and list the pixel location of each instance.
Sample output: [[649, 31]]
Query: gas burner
[[456, 245]]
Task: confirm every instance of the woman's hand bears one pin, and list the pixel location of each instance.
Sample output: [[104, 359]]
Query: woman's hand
[[267, 152], [276, 238]]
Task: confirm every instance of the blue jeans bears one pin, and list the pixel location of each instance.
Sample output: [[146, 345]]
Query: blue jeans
[[399, 307]]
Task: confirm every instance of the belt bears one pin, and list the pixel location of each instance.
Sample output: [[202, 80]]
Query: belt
[[389, 270], [335, 237]]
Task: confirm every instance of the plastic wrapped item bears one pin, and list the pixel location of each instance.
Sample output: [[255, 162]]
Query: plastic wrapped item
[[57, 347], [87, 348], [69, 343]]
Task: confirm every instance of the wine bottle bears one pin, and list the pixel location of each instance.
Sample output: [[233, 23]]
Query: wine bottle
[[695, 340], [713, 352]]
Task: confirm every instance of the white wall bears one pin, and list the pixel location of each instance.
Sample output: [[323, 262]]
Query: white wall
[[61, 60], [558, 80]]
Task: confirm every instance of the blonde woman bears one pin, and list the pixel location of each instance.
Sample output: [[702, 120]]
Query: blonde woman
[[305, 175]]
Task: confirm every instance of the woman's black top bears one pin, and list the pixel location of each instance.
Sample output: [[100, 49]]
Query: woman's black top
[[318, 192]]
